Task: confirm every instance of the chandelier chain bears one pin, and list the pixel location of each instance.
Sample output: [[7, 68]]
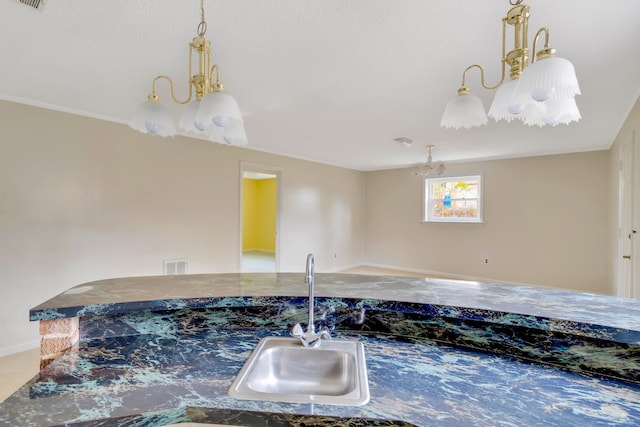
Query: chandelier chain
[[202, 26]]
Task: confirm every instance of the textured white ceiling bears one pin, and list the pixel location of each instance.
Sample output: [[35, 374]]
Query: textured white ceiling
[[332, 81]]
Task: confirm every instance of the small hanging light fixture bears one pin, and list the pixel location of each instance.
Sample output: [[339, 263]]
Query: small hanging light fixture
[[428, 168], [543, 94], [210, 112]]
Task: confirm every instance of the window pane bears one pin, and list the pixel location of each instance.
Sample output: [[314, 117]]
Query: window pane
[[465, 208], [440, 190], [465, 190], [440, 210]]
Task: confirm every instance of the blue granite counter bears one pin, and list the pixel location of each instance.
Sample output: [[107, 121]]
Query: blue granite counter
[[133, 294], [155, 351]]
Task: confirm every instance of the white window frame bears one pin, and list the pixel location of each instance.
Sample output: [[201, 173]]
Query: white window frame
[[428, 201]]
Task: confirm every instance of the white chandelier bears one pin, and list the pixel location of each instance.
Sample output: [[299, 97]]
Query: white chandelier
[[428, 168], [542, 94], [213, 114]]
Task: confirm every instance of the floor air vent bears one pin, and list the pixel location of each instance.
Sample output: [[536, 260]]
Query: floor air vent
[[36, 4]]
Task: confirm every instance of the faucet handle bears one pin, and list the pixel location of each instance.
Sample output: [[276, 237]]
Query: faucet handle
[[297, 331], [315, 339], [324, 334]]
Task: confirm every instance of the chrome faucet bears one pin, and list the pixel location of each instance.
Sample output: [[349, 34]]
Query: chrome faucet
[[310, 338]]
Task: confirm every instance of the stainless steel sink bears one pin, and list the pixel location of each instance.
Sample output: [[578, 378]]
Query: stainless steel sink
[[282, 369]]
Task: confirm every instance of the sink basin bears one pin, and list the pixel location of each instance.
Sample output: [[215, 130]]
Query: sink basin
[[282, 369]]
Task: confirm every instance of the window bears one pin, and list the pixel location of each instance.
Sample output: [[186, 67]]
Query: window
[[453, 199]]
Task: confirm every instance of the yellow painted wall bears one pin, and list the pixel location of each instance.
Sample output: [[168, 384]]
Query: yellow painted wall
[[267, 214], [259, 214], [249, 234]]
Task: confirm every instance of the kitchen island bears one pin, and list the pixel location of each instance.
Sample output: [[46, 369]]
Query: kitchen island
[[163, 350]]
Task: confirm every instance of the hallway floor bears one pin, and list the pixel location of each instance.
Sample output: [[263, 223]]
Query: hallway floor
[[258, 262]]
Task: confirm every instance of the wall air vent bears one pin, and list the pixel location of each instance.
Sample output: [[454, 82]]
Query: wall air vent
[[36, 4], [173, 267]]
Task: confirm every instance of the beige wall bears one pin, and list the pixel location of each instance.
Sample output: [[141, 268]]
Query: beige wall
[[545, 223], [83, 199], [630, 131]]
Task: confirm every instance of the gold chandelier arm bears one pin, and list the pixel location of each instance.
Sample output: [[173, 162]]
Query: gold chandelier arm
[[484, 85], [547, 50], [173, 96], [504, 64], [216, 86]]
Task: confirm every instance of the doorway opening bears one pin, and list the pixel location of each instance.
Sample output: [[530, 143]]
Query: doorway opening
[[259, 223]]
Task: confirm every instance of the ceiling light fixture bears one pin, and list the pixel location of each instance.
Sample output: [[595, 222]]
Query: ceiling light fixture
[[426, 169], [404, 141], [210, 112], [542, 95]]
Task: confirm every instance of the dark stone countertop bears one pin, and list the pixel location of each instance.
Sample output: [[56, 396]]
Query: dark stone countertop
[[551, 309], [156, 351]]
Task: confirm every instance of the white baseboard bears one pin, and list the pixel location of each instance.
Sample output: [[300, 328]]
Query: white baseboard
[[18, 348], [344, 267], [425, 272]]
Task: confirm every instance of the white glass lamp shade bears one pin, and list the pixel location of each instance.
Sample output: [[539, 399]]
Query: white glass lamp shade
[[421, 170], [426, 169], [189, 120], [464, 111], [554, 112], [235, 133], [215, 134], [548, 78], [152, 117], [507, 106], [219, 108], [205, 129]]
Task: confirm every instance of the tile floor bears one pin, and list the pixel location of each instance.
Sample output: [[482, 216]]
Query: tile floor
[[16, 369]]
